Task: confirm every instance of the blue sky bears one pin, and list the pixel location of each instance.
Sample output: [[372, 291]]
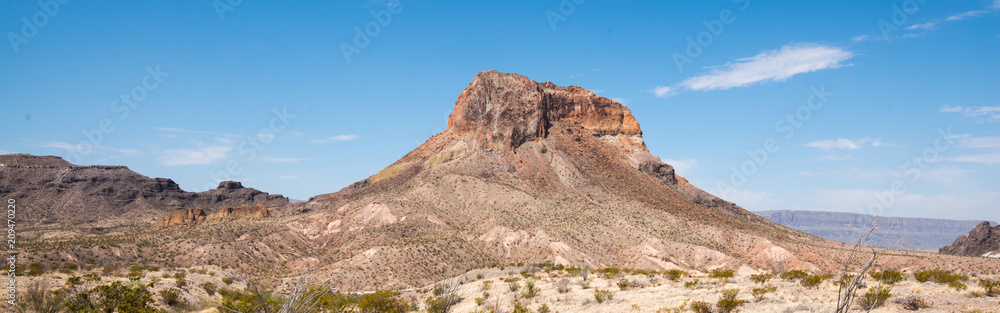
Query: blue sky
[[886, 107]]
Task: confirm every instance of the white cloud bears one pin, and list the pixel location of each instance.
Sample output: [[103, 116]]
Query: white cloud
[[335, 138], [834, 144], [620, 100], [969, 141], [832, 158], [992, 113], [79, 148], [663, 91], [204, 155], [681, 166], [863, 38], [772, 65], [842, 143], [928, 25], [985, 158], [965, 15], [288, 177], [286, 160]]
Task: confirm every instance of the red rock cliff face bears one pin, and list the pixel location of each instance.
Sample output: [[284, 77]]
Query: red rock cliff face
[[504, 110], [196, 217]]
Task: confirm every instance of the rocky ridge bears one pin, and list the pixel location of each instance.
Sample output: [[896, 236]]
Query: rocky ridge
[[984, 241]]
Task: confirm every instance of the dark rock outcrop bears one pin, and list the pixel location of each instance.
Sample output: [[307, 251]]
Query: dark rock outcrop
[[981, 241], [197, 217]]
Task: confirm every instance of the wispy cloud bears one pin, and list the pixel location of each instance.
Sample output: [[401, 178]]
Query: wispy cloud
[[848, 144], [928, 25], [286, 160], [767, 66], [969, 141], [335, 138], [965, 15], [985, 158], [681, 166], [620, 100], [78, 148], [992, 113], [203, 155]]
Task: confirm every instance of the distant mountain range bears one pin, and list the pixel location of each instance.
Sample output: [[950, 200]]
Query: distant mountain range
[[920, 233]]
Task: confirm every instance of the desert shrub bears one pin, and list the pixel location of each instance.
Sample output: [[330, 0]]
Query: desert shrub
[[959, 286], [170, 296], [794, 275], [844, 280], [35, 269], [91, 277], [180, 275], [109, 270], [562, 286], [73, 280], [759, 293], [913, 303], [136, 268], [69, 268], [513, 285], [481, 300], [811, 281], [519, 308], [227, 280], [209, 288], [440, 304], [544, 308], [530, 291], [180, 283], [37, 298], [701, 307], [691, 284], [486, 285], [235, 301], [601, 295], [609, 272], [889, 277], [387, 301], [939, 276], [991, 287], [133, 276], [115, 297], [761, 278], [875, 297], [623, 284], [728, 302], [675, 274], [723, 274]]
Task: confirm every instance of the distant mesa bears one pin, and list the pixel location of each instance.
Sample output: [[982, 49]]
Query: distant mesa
[[984, 241], [57, 193]]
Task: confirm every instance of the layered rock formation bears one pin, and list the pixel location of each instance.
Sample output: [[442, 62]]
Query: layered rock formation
[[197, 216], [981, 241], [55, 193]]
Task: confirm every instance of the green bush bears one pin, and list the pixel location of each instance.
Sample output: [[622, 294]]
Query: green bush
[[691, 284], [761, 278], [116, 297], [235, 301], [91, 277], [675, 274], [180, 283], [35, 269], [845, 280], [991, 287], [440, 304], [939, 276], [701, 307], [759, 293], [601, 295], [530, 291], [728, 302], [209, 288], [959, 286], [170, 296], [812, 281], [387, 301], [794, 275], [623, 284], [69, 268], [875, 297], [73, 280], [227, 280], [724, 274], [889, 277], [36, 298]]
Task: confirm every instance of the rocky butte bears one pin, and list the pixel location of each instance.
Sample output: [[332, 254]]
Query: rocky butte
[[984, 240]]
